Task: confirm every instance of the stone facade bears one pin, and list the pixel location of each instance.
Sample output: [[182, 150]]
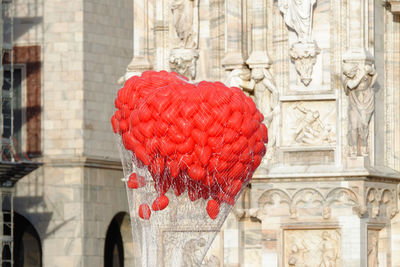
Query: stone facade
[[324, 72]]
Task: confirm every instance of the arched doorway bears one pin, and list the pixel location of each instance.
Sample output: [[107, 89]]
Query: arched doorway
[[117, 247], [27, 245]]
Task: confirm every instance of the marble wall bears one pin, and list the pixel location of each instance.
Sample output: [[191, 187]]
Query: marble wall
[[327, 191]]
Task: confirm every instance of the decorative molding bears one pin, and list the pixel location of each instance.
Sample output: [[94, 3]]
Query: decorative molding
[[394, 6], [381, 202], [305, 202]]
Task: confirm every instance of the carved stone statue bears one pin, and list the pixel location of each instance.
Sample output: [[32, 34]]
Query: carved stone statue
[[329, 250], [298, 16], [241, 78], [183, 61], [182, 12], [373, 251], [184, 56], [359, 79], [266, 98]]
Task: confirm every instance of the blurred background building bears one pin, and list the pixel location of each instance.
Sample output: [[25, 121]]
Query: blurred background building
[[325, 74]]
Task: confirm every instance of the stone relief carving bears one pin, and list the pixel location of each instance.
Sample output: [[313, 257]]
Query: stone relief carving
[[359, 79], [298, 15], [183, 57], [212, 261], [298, 254], [381, 202], [190, 251], [372, 250], [307, 248], [310, 130]]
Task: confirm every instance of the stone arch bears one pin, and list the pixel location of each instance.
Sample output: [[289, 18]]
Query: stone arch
[[27, 243], [274, 202], [118, 247], [307, 202]]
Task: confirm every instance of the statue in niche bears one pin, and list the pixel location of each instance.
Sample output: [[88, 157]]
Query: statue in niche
[[373, 251], [311, 130], [182, 13], [183, 57], [298, 254], [359, 79], [267, 101], [298, 15], [190, 257], [329, 250]]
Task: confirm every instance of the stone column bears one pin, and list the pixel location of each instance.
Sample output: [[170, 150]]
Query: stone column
[[233, 58], [140, 61], [259, 56]]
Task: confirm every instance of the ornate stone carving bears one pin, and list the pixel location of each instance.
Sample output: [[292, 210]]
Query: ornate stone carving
[[372, 250], [298, 15], [212, 261], [304, 56], [394, 6], [381, 202], [305, 202], [241, 78], [310, 130], [189, 254], [182, 15], [307, 247], [183, 56], [183, 61], [359, 79]]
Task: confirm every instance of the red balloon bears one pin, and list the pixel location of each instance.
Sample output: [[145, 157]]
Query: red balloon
[[144, 211], [160, 203], [212, 209]]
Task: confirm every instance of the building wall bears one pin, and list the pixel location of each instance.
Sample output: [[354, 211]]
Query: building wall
[[71, 200]]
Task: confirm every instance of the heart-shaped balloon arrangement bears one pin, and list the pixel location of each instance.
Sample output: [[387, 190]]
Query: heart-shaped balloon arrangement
[[188, 150], [206, 139]]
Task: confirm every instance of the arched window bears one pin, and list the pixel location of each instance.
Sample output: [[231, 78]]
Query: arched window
[[114, 248], [27, 245]]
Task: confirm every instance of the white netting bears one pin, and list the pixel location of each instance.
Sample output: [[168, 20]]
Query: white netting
[[188, 150]]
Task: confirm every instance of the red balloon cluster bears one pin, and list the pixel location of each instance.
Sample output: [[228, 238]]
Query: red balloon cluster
[[207, 138]]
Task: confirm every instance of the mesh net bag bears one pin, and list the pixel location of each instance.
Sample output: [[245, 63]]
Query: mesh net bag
[[188, 150]]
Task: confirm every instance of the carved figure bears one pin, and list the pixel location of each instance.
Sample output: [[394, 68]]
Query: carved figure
[[182, 12], [184, 62], [304, 56], [189, 254], [298, 15], [266, 98], [358, 85], [241, 78], [311, 130], [329, 250], [297, 255], [373, 251]]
